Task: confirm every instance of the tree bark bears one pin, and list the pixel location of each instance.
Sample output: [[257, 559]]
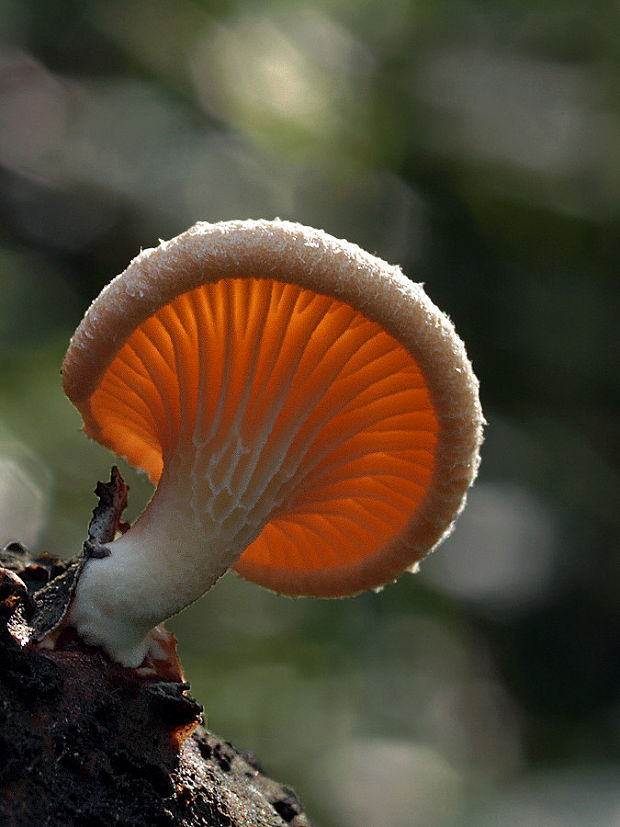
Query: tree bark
[[84, 741]]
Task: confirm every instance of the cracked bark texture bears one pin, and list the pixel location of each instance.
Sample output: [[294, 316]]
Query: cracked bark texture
[[84, 741]]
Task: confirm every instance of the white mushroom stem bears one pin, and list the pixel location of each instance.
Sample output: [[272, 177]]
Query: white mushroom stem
[[190, 534]]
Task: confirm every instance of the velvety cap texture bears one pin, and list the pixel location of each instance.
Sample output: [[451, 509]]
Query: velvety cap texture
[[307, 388]]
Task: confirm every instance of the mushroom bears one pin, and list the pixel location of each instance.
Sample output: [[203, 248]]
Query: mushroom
[[308, 415]]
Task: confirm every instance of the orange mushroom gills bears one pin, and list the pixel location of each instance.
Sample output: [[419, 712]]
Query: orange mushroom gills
[[264, 369]]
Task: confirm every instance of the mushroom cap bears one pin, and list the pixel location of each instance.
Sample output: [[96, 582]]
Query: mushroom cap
[[301, 364]]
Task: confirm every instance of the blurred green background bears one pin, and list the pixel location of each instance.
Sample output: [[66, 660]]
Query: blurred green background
[[476, 144]]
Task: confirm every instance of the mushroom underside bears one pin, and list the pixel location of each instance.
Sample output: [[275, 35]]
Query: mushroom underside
[[303, 430]]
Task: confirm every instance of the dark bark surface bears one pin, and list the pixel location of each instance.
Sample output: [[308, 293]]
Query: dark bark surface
[[84, 741]]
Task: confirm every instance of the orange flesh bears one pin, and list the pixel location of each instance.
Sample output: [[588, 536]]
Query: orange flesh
[[279, 396]]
